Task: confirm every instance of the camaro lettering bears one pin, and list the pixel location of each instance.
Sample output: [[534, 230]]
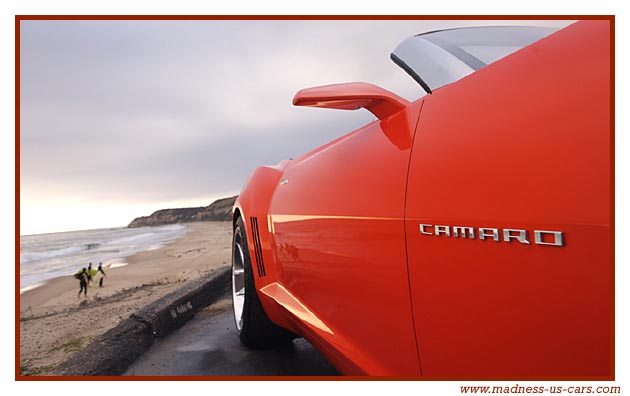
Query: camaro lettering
[[423, 229], [489, 232], [521, 235], [541, 237], [443, 230], [457, 230]]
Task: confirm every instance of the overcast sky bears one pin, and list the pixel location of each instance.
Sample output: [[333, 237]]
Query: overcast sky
[[121, 118]]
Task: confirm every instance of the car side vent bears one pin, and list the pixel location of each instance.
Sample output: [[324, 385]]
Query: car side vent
[[260, 264]]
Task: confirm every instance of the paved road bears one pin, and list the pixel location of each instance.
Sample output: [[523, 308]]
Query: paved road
[[208, 345]]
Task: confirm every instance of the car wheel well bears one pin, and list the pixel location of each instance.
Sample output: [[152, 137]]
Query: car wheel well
[[235, 217]]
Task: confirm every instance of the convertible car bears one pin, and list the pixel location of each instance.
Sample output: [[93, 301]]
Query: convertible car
[[464, 235]]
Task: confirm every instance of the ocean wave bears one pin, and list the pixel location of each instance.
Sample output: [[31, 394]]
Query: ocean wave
[[162, 233], [47, 256], [37, 256], [131, 239]]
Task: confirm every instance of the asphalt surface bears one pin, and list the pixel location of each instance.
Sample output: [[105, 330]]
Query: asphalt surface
[[208, 346]]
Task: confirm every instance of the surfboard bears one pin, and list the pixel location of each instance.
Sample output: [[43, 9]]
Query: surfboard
[[93, 272]]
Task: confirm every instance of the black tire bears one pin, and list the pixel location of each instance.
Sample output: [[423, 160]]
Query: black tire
[[257, 330]]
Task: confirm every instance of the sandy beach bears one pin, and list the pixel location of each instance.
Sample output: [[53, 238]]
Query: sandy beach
[[54, 323]]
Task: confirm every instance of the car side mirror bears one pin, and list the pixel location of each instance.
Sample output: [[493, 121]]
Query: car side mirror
[[352, 96]]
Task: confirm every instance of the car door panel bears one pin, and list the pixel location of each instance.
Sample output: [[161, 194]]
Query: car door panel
[[338, 227], [522, 144]]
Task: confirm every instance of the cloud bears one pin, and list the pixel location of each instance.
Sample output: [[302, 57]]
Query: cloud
[[163, 110]]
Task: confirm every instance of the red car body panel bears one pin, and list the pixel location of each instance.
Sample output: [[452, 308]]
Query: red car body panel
[[327, 247], [523, 143]]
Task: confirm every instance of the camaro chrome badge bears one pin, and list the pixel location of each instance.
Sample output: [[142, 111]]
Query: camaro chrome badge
[[541, 237]]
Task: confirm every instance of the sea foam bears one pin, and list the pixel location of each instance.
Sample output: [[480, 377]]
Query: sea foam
[[48, 256]]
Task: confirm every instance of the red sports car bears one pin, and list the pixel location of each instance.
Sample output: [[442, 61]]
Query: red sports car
[[464, 235]]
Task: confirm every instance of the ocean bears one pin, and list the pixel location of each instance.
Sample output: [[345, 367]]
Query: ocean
[[47, 256]]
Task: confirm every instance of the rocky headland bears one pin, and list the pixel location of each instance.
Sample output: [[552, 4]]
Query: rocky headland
[[219, 210]]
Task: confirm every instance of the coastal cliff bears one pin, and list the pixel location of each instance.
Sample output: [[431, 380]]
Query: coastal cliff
[[219, 210]]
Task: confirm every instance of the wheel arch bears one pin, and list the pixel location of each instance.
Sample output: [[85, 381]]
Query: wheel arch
[[236, 213]]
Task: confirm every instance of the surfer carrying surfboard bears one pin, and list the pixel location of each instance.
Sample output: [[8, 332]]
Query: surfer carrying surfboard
[[89, 274], [100, 269], [83, 282]]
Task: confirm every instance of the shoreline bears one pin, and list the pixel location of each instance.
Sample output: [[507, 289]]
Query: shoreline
[[109, 261], [39, 295], [31, 287], [54, 322], [116, 264]]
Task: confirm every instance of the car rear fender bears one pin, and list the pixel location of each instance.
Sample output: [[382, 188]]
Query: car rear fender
[[253, 206]]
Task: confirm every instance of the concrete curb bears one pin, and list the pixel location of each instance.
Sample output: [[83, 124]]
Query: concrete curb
[[114, 351]]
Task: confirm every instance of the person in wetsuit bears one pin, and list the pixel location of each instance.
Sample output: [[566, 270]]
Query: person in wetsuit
[[83, 282], [100, 269], [89, 274]]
